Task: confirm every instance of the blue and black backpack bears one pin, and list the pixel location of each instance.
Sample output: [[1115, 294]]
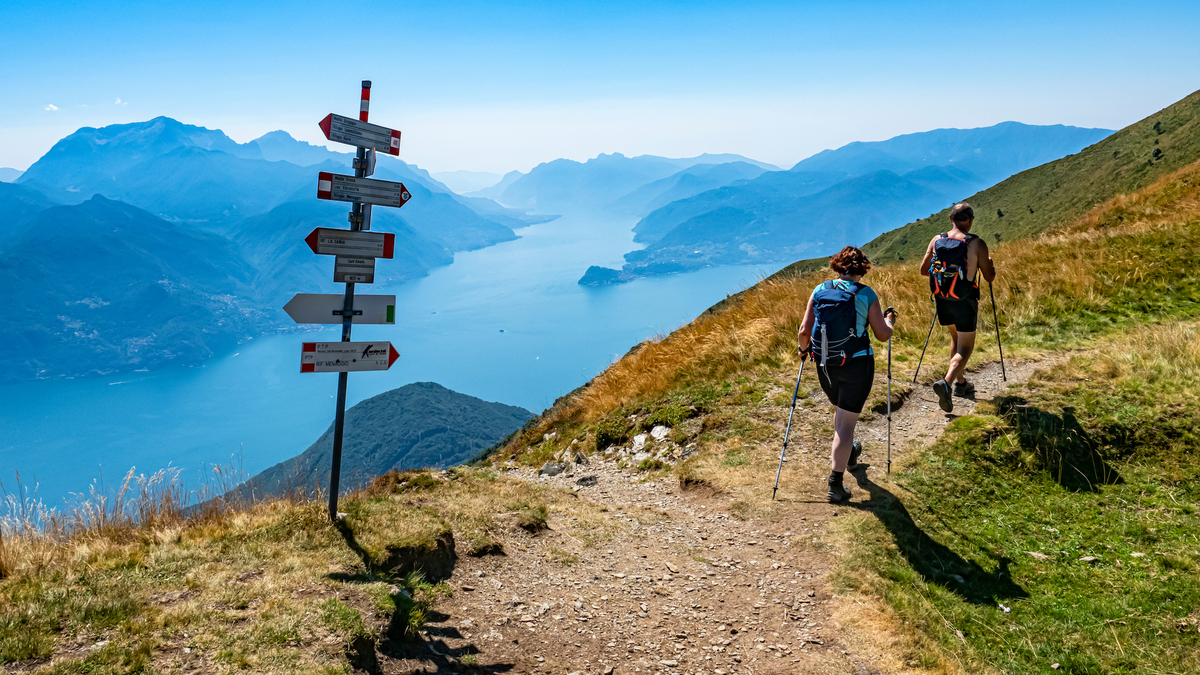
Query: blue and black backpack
[[949, 268], [835, 336]]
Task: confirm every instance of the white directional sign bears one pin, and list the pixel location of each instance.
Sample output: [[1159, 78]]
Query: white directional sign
[[341, 188], [327, 308], [328, 241], [346, 357], [349, 269], [363, 134]]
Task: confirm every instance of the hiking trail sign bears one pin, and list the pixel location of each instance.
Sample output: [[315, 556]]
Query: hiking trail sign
[[346, 357], [355, 252], [326, 308]]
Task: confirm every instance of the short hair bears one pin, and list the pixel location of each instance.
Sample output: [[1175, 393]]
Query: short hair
[[962, 212], [850, 261]]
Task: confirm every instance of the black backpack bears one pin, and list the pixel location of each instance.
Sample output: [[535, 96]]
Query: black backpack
[[949, 267], [834, 335]]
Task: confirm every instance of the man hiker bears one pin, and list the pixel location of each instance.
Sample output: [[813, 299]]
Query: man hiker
[[841, 316], [953, 262]]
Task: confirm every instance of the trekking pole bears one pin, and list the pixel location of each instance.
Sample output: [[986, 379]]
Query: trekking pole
[[927, 336], [782, 453], [889, 466], [997, 322]]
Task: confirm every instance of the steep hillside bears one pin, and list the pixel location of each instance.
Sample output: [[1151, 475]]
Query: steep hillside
[[122, 290], [417, 426], [18, 205], [1036, 200]]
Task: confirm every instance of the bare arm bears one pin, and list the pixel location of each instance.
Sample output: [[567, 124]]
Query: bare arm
[[984, 261], [806, 327], [928, 259], [880, 325]]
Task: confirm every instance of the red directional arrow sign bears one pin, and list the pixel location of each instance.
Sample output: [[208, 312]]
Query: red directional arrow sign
[[363, 134], [328, 241], [346, 357]]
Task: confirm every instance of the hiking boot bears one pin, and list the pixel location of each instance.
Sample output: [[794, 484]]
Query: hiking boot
[[964, 389], [855, 451], [838, 493], [943, 393]]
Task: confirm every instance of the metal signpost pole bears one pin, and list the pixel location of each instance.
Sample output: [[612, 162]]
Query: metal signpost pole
[[339, 423]]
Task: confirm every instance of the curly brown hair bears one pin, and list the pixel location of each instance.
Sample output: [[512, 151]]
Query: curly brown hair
[[850, 261]]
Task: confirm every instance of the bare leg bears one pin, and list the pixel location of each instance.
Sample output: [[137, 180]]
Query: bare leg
[[964, 345], [843, 437], [953, 350]]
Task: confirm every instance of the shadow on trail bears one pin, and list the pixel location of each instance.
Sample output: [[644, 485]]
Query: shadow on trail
[[402, 640], [934, 561], [1062, 447]]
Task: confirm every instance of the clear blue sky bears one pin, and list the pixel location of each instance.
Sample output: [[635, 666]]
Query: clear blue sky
[[496, 86]]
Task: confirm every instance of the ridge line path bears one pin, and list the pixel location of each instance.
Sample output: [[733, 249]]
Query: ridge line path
[[684, 586]]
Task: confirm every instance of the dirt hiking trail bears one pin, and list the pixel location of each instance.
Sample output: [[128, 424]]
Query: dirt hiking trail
[[686, 587]]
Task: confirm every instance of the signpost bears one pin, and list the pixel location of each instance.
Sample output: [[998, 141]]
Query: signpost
[[341, 188], [327, 308], [350, 269], [356, 250], [354, 132], [346, 357], [328, 241]]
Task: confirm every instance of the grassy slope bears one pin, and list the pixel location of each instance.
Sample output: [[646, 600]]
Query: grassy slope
[[1036, 200]]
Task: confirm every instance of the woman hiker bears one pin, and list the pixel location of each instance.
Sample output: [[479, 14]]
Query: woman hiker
[[834, 332]]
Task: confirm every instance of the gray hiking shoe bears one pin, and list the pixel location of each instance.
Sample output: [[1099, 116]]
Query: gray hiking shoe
[[943, 393], [855, 452], [837, 493], [964, 389]]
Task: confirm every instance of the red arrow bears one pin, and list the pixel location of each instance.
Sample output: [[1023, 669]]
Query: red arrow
[[325, 123], [392, 355], [311, 239]]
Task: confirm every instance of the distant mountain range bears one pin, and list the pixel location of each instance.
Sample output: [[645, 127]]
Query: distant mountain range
[[837, 197], [598, 184], [463, 182], [192, 202], [8, 175], [416, 426]]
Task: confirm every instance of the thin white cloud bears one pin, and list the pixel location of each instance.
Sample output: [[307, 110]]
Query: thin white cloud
[[120, 102], [51, 107]]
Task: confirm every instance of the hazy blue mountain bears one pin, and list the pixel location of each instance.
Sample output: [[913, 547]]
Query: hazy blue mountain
[[462, 181], [807, 210], [851, 211], [419, 425], [18, 205], [597, 184], [992, 153], [498, 189], [274, 243], [122, 290], [279, 146], [8, 175], [683, 184]]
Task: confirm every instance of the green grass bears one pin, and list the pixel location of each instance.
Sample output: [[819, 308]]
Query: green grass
[[1102, 463]]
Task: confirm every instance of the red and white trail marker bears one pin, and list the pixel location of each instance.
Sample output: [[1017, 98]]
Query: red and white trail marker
[[339, 188], [363, 134], [352, 243], [346, 357]]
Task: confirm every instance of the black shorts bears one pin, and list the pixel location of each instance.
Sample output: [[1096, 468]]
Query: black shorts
[[962, 314], [848, 386]]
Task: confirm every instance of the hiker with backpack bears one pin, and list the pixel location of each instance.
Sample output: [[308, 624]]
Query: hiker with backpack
[[953, 262], [834, 334]]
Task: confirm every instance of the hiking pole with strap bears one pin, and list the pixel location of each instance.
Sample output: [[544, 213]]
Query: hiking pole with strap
[[997, 323], [927, 336], [889, 467], [782, 453]]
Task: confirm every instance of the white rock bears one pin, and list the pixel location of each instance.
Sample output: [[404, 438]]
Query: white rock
[[660, 433], [639, 442]]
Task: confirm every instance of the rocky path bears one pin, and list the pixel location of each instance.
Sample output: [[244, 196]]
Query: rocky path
[[682, 586]]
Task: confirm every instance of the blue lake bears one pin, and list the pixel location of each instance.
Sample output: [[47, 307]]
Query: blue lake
[[507, 323]]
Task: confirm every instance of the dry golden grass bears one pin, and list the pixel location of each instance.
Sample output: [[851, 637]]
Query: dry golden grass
[[1049, 288]]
